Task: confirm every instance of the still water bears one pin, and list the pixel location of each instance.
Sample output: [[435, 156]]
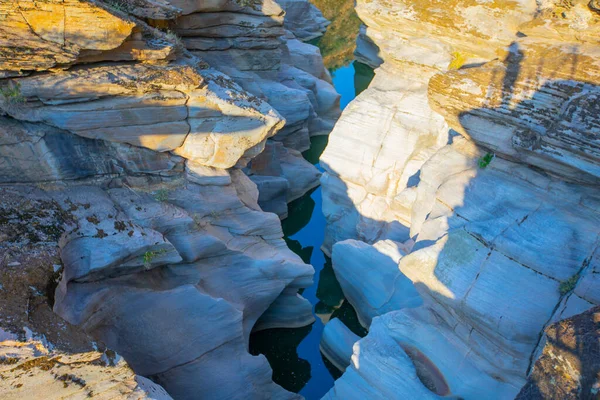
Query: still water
[[294, 354]]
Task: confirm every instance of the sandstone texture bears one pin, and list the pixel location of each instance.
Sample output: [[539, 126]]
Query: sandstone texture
[[146, 148], [461, 194], [568, 367], [31, 371]]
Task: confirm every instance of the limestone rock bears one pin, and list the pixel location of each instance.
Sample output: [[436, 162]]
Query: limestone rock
[[484, 286], [387, 289], [430, 35], [37, 36], [402, 357], [229, 267], [202, 175], [337, 343], [550, 122], [202, 117], [568, 367], [266, 7], [475, 147], [139, 145], [365, 172], [50, 154], [282, 175], [303, 19], [30, 371]]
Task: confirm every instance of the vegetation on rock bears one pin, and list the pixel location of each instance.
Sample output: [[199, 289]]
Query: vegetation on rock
[[12, 94], [338, 43], [567, 285], [486, 160]]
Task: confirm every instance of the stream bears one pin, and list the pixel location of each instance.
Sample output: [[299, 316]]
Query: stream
[[294, 354]]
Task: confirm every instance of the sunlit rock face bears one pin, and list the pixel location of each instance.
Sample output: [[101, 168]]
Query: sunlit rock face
[[567, 368], [184, 107], [56, 375], [470, 164], [259, 46], [158, 164]]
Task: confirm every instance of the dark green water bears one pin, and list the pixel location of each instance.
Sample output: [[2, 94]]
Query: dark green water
[[294, 354]]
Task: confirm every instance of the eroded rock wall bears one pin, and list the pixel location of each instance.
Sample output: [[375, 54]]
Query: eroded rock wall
[[470, 165], [125, 146]]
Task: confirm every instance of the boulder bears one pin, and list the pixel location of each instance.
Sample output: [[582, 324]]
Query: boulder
[[568, 367], [30, 370]]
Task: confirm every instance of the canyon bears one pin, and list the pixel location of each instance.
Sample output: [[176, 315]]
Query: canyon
[[163, 196]]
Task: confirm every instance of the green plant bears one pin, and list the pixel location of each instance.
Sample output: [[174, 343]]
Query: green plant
[[12, 94], [568, 285], [161, 195], [118, 5], [149, 256], [486, 160], [173, 38]]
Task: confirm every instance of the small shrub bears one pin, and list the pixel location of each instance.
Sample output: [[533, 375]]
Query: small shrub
[[12, 94], [149, 256], [486, 160], [118, 5], [172, 37], [161, 195], [568, 285]]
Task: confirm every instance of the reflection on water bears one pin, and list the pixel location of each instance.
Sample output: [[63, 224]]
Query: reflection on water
[[338, 43], [350, 80], [294, 354]]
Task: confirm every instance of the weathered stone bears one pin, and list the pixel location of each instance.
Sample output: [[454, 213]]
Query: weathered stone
[[486, 171], [41, 35], [33, 372], [387, 289], [568, 367], [337, 343], [206, 118], [303, 19], [50, 154]]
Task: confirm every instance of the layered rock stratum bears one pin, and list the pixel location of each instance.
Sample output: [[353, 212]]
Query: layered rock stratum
[[461, 194], [141, 144]]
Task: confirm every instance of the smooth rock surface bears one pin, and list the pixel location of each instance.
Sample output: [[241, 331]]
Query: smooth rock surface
[[475, 148], [140, 148], [31, 371], [337, 343]]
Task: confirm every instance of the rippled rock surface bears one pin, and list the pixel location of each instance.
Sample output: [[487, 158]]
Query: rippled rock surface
[[470, 165], [126, 147]]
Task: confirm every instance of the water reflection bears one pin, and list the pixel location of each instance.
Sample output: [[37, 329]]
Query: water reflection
[[338, 43], [294, 354], [351, 79]]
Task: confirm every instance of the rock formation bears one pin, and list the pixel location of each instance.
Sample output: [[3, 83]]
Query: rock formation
[[126, 147], [470, 164], [41, 374], [569, 364]]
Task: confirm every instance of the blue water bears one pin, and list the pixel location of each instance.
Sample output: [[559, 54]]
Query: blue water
[[294, 354], [343, 81]]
